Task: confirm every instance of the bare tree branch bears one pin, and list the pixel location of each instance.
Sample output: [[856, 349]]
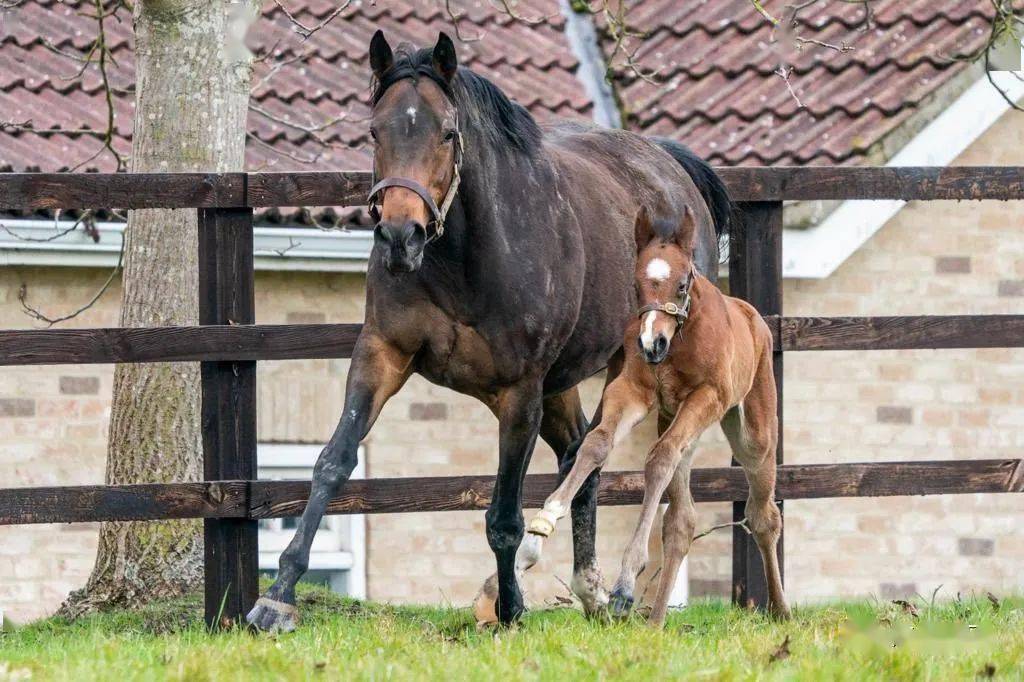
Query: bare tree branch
[[35, 313], [742, 523], [86, 219], [282, 152], [455, 19], [307, 31]]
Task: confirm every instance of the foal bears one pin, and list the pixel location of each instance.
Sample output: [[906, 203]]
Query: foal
[[703, 357]]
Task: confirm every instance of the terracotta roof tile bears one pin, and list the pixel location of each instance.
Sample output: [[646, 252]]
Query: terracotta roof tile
[[717, 90], [533, 64], [715, 62]]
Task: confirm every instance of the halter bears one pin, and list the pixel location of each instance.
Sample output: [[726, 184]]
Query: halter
[[437, 214], [680, 310]]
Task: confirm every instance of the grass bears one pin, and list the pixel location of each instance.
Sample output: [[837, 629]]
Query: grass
[[344, 639]]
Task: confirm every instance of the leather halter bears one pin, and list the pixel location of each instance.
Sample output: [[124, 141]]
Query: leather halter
[[680, 310], [437, 213]]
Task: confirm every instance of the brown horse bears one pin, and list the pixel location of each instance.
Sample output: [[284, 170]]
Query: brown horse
[[703, 357], [501, 268]]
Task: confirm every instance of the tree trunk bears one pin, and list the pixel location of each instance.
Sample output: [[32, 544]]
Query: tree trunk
[[192, 91]]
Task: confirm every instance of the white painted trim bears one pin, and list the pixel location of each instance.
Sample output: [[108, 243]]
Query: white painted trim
[[680, 594], [818, 251], [302, 248]]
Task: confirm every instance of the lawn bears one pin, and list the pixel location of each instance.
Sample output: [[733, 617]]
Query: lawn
[[343, 639]]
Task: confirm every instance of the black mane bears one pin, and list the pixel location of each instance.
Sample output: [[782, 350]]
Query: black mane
[[477, 99]]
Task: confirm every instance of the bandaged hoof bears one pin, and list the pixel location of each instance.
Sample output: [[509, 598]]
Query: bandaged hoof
[[270, 615], [485, 606], [543, 524]]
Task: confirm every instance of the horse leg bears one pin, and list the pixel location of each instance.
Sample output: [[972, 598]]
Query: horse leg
[[563, 426], [700, 408], [623, 406], [587, 582], [752, 430], [377, 371], [519, 417], [676, 535]]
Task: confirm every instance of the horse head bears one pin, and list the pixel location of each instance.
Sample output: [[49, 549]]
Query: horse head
[[417, 147]]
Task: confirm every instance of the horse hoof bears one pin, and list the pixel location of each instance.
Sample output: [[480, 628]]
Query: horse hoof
[[485, 606], [620, 605], [780, 612], [512, 611], [270, 615], [588, 587]]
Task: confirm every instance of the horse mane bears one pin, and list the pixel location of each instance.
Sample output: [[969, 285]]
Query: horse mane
[[664, 230], [505, 122]]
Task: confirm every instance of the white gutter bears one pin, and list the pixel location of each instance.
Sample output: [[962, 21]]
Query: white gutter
[[816, 252], [275, 248]]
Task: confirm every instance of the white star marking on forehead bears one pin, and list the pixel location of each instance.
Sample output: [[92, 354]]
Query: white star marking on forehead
[[411, 111], [658, 270]]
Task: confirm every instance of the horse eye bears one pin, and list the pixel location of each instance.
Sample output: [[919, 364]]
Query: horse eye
[[373, 135], [449, 135]]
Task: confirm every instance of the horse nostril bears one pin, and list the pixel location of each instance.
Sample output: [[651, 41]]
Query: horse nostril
[[660, 345], [382, 232], [640, 342], [412, 227]]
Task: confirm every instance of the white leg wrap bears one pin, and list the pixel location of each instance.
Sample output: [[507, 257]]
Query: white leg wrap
[[543, 523]]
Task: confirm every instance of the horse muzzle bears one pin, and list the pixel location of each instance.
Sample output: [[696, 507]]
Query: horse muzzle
[[654, 351], [402, 245]]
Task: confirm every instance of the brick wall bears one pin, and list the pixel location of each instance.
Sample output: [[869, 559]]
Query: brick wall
[[937, 258]]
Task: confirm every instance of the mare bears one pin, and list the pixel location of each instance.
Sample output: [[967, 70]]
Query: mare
[[501, 268]]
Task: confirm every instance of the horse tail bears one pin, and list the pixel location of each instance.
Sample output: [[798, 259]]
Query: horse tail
[[711, 187]]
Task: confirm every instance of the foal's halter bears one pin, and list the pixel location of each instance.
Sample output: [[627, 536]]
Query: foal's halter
[[438, 214], [680, 310]]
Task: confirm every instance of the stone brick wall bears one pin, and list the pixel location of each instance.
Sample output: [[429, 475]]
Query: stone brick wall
[[937, 258]]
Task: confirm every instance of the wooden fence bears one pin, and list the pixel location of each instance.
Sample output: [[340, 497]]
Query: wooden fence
[[228, 344]]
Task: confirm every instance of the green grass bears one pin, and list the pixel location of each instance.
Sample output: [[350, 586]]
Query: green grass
[[344, 639]]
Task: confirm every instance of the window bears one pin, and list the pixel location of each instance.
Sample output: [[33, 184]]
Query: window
[[338, 556]]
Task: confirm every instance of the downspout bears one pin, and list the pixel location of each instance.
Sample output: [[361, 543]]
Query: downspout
[[582, 37]]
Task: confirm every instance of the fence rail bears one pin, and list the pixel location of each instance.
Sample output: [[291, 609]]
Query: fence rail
[[34, 191], [277, 499], [327, 341], [228, 344]]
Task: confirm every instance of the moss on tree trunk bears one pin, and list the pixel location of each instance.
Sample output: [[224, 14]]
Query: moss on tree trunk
[[192, 91]]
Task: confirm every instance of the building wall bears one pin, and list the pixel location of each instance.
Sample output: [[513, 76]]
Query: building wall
[[932, 258]]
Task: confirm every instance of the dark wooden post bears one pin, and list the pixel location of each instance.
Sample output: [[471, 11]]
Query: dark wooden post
[[755, 274], [226, 296]]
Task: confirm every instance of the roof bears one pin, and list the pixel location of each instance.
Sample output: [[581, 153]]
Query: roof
[[534, 65], [718, 89], [715, 60]]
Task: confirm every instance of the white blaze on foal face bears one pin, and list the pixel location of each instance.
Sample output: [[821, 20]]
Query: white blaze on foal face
[[657, 271], [647, 332]]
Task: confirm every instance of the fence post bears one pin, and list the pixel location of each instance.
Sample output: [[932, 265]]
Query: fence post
[[226, 296], [755, 274]]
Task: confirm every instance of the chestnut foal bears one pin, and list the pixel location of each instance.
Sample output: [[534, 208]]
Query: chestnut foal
[[703, 357]]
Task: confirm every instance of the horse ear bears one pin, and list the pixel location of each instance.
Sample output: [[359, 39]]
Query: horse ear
[[642, 229], [686, 230], [444, 59], [381, 57]]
